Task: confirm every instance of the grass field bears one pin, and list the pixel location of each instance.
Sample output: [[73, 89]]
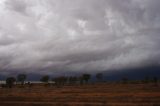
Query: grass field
[[106, 94]]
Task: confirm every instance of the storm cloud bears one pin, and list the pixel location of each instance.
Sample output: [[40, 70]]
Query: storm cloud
[[44, 36]]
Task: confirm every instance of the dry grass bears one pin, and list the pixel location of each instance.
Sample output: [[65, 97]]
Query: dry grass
[[85, 95]]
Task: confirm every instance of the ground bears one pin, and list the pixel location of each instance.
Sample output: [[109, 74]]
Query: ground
[[104, 94]]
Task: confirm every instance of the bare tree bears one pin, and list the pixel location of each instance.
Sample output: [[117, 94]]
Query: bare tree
[[155, 80], [81, 80], [59, 81], [21, 78], [73, 79], [10, 81], [125, 80], [45, 79], [86, 77], [146, 79], [99, 76]]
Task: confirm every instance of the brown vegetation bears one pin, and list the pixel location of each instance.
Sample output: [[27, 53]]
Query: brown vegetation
[[102, 94]]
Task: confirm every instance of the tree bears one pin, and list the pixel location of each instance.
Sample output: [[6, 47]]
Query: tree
[[73, 79], [45, 79], [10, 81], [81, 80], [146, 79], [21, 78], [99, 76], [155, 80], [60, 80], [55, 80], [86, 77], [125, 80]]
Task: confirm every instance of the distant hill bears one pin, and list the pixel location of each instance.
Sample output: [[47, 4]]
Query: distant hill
[[137, 73]]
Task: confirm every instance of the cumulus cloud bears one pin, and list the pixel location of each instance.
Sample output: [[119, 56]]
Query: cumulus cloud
[[78, 35]]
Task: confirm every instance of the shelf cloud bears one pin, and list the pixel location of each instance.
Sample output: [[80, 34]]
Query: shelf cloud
[[44, 36]]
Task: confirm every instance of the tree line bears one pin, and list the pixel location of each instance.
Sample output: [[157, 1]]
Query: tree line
[[68, 80], [61, 80]]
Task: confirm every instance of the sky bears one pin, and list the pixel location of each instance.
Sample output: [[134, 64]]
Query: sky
[[47, 36]]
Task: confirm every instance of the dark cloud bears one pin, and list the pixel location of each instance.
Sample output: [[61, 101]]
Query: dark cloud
[[83, 35], [16, 5]]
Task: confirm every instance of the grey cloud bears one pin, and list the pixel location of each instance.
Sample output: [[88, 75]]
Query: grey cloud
[[16, 5], [78, 35]]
